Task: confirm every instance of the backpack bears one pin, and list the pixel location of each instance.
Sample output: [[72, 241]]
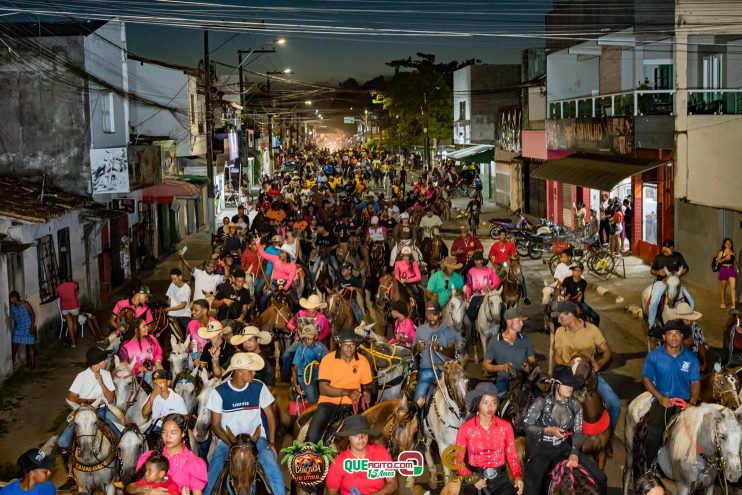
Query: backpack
[[715, 266]]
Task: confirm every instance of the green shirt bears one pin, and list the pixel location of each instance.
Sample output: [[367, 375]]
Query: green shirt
[[442, 286]]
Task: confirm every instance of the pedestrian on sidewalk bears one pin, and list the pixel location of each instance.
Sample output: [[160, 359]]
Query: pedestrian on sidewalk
[[727, 271], [24, 328]]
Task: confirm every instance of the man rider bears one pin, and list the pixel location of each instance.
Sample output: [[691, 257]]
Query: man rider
[[437, 337], [670, 371], [232, 300], [511, 350], [427, 223], [665, 264], [350, 288], [465, 245], [500, 253], [249, 339], [345, 378]]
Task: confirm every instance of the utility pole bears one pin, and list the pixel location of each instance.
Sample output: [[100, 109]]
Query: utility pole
[[209, 136], [426, 152]]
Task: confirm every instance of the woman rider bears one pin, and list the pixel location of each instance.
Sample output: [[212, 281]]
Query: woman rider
[[138, 302], [407, 272], [283, 270], [404, 231], [486, 442], [550, 423], [143, 349], [480, 280], [447, 278]]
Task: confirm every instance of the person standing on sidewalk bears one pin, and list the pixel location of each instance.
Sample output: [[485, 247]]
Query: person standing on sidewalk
[[727, 271], [24, 328], [179, 299]]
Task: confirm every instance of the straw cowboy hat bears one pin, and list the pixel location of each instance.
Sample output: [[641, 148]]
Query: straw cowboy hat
[[450, 262], [312, 302], [246, 361], [210, 331], [683, 311], [249, 332]]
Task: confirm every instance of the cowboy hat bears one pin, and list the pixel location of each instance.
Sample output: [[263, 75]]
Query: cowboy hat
[[276, 238], [563, 376], [678, 326], [450, 262], [312, 302], [683, 311], [357, 425], [348, 335], [210, 331], [249, 332], [308, 331], [482, 388], [406, 251], [246, 361]]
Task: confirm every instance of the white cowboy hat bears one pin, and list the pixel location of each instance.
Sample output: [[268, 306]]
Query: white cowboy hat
[[246, 361], [406, 251], [312, 302], [683, 311], [248, 332], [211, 330]]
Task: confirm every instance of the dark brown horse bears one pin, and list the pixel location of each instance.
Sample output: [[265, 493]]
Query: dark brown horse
[[595, 419], [275, 320], [510, 283], [240, 474], [435, 251]]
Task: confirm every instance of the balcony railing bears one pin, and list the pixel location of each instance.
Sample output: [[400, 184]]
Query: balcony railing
[[632, 103], [715, 102]]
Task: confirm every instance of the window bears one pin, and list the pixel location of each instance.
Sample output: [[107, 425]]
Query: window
[[65, 256], [712, 72], [48, 272], [16, 277], [462, 110], [107, 112], [192, 109], [649, 211]]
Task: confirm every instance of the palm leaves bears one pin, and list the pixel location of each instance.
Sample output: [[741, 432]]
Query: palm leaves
[[326, 451]]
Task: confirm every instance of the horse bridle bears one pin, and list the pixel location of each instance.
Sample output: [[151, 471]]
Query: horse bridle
[[717, 391], [231, 476], [131, 397]]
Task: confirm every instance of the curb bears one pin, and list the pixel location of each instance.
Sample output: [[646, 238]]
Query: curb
[[635, 310]]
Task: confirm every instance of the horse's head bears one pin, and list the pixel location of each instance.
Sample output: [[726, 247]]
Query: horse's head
[[725, 386], [180, 359], [384, 292], [520, 393], [86, 428], [514, 267], [582, 369], [243, 463], [402, 427], [132, 445], [673, 289], [456, 380], [203, 415], [727, 438], [188, 386], [493, 303], [124, 381]]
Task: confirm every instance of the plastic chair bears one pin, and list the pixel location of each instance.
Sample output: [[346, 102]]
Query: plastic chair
[[63, 327]]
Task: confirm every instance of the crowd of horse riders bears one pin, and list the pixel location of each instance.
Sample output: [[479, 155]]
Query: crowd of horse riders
[[348, 239]]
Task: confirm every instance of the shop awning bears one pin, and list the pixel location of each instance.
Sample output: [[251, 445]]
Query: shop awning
[[479, 153], [595, 171], [169, 189]]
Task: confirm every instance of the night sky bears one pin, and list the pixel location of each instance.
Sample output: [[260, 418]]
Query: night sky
[[327, 40]]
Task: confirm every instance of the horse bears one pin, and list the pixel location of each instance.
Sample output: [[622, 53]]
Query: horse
[[489, 318], [376, 267], [522, 390], [240, 473], [130, 397], [701, 442], [202, 427], [389, 291], [390, 363], [511, 291], [180, 358], [95, 452], [339, 312], [453, 314], [188, 385], [721, 387], [446, 412], [435, 251], [672, 296], [595, 419], [132, 445], [275, 320]]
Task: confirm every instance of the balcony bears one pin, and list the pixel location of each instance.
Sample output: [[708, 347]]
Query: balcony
[[632, 103], [715, 102]]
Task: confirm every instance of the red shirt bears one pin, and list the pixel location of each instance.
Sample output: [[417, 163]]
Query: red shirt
[[67, 292], [488, 448], [338, 479], [468, 245], [502, 251], [250, 257], [167, 485]]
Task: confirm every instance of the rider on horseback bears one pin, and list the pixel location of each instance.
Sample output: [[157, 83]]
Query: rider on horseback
[[435, 344], [480, 280], [350, 287], [670, 371], [500, 253], [305, 365], [284, 271], [509, 351], [551, 420], [427, 223], [138, 302], [445, 280], [345, 382], [404, 231], [249, 339], [666, 263], [465, 246]]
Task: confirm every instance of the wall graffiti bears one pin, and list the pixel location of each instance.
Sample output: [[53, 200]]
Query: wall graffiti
[[109, 168], [603, 134]]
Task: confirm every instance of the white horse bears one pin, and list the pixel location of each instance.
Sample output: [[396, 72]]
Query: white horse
[[189, 385], [203, 415], [453, 314], [130, 398], [674, 293], [445, 414], [488, 318], [132, 445], [94, 466], [701, 442], [180, 358]]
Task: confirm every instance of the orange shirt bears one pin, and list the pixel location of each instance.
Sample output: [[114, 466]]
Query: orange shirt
[[340, 374]]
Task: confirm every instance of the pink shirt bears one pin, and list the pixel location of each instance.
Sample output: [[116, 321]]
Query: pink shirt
[[67, 292], [480, 279], [186, 468], [320, 321], [403, 268], [281, 270], [139, 311], [193, 327], [148, 348], [404, 328]]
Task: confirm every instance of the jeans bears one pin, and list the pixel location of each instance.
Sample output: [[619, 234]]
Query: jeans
[[259, 286], [332, 264], [522, 283], [425, 378], [356, 309], [183, 322], [592, 314], [611, 400], [65, 439], [266, 458], [322, 418], [287, 359], [311, 391], [658, 290]]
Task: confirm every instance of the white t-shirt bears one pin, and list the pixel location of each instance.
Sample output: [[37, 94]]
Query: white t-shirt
[[88, 388], [173, 404], [562, 271], [205, 283], [177, 296], [243, 412], [427, 224]]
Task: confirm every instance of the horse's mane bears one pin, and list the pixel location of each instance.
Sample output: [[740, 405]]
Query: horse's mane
[[684, 445]]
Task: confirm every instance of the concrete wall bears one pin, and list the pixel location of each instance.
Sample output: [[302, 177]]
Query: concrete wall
[[569, 78], [107, 62], [45, 127], [610, 70], [462, 92], [6, 367]]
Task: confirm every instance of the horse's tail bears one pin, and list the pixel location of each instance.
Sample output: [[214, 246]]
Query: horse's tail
[[639, 464]]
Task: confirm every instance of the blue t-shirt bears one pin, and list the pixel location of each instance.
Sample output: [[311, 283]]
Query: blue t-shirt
[[446, 336], [672, 376], [305, 355], [269, 267], [14, 488]]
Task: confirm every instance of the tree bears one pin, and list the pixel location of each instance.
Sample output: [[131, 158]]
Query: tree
[[422, 93]]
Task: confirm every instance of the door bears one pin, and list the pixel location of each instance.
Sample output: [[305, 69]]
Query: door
[[65, 256]]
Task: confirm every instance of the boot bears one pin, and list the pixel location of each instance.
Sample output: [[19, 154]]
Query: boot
[[70, 484]]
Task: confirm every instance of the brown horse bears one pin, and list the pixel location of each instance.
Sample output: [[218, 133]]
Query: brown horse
[[240, 473], [435, 251], [596, 422], [721, 387], [389, 291], [275, 320], [510, 282], [339, 312]]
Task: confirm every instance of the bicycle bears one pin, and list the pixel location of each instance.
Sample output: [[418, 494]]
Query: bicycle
[[597, 258]]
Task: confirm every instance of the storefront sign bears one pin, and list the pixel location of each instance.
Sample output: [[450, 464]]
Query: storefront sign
[[604, 134], [123, 204]]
